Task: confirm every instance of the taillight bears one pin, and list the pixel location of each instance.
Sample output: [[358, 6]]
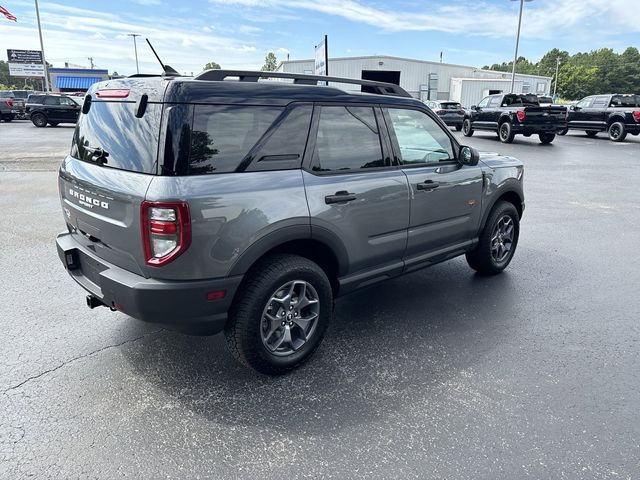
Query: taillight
[[166, 231], [521, 115], [636, 115], [9, 103], [440, 112]]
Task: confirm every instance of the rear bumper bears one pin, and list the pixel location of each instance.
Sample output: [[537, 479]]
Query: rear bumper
[[452, 121], [536, 129], [182, 305]]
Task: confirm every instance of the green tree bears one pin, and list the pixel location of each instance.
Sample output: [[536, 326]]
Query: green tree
[[270, 63], [212, 66]]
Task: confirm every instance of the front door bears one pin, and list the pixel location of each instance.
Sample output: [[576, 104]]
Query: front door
[[480, 116], [445, 196], [354, 193], [578, 116], [69, 109]]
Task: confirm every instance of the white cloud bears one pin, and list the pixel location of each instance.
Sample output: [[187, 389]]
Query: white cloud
[[543, 19], [249, 29]]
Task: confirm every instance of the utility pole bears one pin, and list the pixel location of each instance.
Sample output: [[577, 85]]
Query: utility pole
[[91, 60], [44, 61], [515, 58], [135, 48], [555, 87]]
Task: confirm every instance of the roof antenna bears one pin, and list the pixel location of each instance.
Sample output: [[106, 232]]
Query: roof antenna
[[166, 68]]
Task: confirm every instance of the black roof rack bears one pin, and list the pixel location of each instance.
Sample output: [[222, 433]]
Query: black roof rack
[[379, 88]]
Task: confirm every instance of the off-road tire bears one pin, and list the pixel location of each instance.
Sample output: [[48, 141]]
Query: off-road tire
[[481, 258], [243, 330]]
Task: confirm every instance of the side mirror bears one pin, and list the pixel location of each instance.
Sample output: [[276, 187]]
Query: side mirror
[[473, 107], [468, 156], [575, 107]]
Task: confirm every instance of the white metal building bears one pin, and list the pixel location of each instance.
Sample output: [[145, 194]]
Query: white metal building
[[425, 80]]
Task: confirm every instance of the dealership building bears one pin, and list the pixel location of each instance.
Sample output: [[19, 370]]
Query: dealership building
[[425, 80], [75, 79]]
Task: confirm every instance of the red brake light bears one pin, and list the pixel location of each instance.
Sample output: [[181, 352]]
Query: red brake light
[[9, 103], [636, 115], [521, 115], [440, 112], [166, 231], [112, 93]]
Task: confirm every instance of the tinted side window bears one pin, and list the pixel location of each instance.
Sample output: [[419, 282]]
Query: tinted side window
[[624, 101], [347, 139], [420, 138], [283, 146], [224, 134], [52, 101]]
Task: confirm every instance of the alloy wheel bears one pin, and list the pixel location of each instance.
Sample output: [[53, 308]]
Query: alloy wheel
[[502, 239], [290, 317]]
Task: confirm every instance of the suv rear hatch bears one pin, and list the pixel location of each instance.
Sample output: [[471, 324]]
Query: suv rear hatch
[[113, 160]]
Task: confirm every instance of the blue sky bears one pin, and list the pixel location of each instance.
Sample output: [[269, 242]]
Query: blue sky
[[239, 33]]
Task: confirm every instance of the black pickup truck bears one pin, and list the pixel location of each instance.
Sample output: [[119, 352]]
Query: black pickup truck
[[616, 114], [511, 114]]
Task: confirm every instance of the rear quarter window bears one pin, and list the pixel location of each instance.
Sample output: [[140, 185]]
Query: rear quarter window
[[223, 135]]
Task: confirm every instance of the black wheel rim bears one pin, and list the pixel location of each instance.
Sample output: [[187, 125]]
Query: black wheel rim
[[290, 318], [465, 126], [615, 131], [504, 131], [502, 239]]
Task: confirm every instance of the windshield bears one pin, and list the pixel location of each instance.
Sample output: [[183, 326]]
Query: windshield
[[111, 135]]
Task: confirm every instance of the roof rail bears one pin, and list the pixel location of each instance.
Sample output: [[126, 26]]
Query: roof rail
[[379, 88]]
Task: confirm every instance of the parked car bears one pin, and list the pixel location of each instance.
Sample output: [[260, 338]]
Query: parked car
[[545, 100], [248, 206], [616, 114], [512, 114], [52, 109], [10, 106], [451, 113]]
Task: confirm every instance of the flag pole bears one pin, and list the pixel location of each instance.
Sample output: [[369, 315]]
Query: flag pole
[[44, 61]]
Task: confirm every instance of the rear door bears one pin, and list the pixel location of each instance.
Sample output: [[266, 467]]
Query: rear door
[[353, 191], [445, 196], [53, 109], [69, 109]]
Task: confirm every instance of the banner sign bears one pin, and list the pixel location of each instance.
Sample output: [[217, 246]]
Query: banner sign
[[321, 60], [25, 63]]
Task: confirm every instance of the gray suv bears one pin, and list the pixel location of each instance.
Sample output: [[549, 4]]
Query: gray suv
[[225, 203]]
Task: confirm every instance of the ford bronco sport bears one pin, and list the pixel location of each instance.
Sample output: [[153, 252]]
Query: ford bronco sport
[[228, 203]]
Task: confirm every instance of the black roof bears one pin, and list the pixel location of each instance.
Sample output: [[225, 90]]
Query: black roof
[[202, 90]]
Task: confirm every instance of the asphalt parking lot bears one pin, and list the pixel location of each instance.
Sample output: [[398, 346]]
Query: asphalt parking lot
[[534, 373]]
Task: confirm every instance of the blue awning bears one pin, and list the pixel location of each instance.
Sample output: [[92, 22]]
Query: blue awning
[[78, 83]]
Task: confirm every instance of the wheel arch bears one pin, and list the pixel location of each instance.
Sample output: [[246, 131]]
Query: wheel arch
[[511, 195], [321, 248], [616, 117]]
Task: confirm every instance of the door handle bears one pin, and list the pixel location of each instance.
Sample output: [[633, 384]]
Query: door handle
[[428, 185], [340, 197]]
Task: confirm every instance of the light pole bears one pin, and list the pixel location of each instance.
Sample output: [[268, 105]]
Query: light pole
[[44, 61], [135, 48], [515, 58], [555, 87]]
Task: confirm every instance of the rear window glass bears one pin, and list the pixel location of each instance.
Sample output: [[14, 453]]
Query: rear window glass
[[450, 106], [130, 143], [35, 98], [223, 135], [5, 94]]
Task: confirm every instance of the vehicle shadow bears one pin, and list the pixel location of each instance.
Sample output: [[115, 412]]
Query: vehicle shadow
[[388, 345]]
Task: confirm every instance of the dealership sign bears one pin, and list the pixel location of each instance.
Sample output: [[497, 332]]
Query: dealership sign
[[25, 63]]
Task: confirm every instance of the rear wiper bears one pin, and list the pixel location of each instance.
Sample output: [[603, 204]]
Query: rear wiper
[[98, 155]]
